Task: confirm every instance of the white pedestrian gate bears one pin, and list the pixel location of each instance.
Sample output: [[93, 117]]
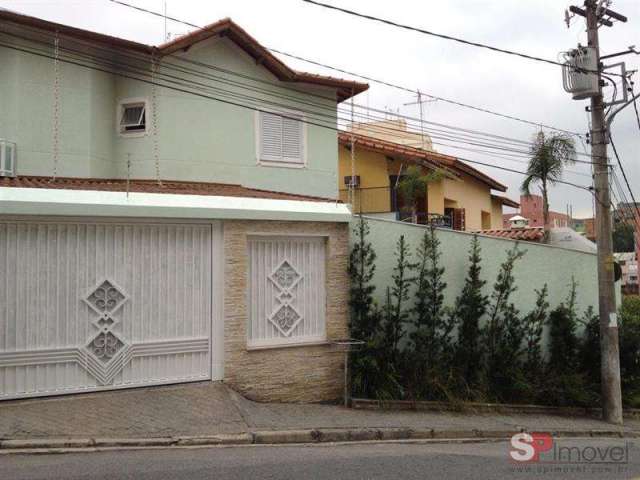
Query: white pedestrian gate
[[93, 306]]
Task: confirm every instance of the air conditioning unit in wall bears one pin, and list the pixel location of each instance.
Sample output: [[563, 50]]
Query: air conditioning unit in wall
[[7, 158]]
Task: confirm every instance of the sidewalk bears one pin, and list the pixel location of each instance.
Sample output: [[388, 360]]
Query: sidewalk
[[213, 410]]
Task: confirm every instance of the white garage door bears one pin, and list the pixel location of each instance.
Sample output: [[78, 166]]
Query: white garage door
[[94, 306]]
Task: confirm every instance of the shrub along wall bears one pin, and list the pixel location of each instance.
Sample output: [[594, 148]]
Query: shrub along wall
[[541, 264], [452, 316]]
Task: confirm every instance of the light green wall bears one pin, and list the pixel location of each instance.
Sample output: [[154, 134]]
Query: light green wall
[[27, 93], [541, 264], [198, 139]]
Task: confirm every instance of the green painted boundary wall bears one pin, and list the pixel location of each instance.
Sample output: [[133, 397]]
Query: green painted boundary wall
[[541, 264]]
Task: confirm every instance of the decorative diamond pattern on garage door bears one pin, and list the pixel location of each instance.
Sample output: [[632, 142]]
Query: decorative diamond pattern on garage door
[[92, 306]]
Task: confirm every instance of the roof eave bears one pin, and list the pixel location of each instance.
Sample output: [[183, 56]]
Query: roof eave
[[73, 32], [227, 27], [345, 89], [422, 157], [506, 201]]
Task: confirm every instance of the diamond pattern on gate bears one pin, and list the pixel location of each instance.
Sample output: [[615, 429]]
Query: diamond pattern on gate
[[285, 317], [106, 354]]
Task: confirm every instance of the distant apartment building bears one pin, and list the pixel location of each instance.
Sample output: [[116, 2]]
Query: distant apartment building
[[531, 209]]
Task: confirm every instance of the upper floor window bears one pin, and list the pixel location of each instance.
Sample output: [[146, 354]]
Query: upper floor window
[[281, 139], [132, 116]]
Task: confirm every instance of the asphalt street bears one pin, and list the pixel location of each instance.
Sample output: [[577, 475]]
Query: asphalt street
[[359, 461]]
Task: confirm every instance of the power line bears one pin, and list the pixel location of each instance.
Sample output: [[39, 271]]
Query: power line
[[439, 35], [624, 174], [635, 107], [432, 96], [368, 78], [189, 90], [628, 215], [468, 136]]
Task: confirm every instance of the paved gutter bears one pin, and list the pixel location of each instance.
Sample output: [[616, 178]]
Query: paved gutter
[[287, 437]]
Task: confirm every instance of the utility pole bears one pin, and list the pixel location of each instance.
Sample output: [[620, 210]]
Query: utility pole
[[609, 346], [582, 84]]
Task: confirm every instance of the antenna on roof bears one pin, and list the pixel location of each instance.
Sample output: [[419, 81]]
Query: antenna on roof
[[420, 101]]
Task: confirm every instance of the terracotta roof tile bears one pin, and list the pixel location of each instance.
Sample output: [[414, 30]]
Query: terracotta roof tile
[[151, 186], [534, 234]]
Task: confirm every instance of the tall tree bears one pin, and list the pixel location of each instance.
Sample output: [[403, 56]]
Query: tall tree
[[504, 332], [470, 307], [413, 185], [534, 324], [432, 327], [550, 153], [361, 270], [396, 311]]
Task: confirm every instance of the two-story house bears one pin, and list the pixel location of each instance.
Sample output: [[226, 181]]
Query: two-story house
[[167, 215], [461, 199]]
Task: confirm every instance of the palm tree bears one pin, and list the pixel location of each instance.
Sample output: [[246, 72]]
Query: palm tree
[[549, 155], [413, 185]]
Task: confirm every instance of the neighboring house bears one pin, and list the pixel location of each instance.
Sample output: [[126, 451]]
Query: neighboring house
[[629, 265], [531, 209], [462, 199], [151, 234]]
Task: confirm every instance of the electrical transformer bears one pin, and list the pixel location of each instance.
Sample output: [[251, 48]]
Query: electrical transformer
[[579, 73]]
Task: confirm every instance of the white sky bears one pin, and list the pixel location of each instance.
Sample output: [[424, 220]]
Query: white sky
[[507, 84]]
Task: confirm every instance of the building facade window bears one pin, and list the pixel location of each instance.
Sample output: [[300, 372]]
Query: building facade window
[[132, 117], [286, 297], [281, 139]]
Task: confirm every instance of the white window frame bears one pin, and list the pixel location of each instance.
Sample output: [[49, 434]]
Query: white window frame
[[294, 340], [147, 111], [4, 171], [283, 164]]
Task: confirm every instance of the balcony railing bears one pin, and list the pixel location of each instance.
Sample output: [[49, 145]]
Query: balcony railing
[[432, 219], [377, 200]]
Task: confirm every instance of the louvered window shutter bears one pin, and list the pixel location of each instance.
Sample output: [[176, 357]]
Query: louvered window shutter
[[292, 141], [281, 139]]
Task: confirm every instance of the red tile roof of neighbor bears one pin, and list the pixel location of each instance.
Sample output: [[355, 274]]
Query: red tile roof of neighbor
[[535, 234], [151, 186], [225, 27], [438, 160]]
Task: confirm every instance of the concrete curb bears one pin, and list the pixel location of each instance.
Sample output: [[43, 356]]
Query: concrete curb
[[286, 437], [488, 408]]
